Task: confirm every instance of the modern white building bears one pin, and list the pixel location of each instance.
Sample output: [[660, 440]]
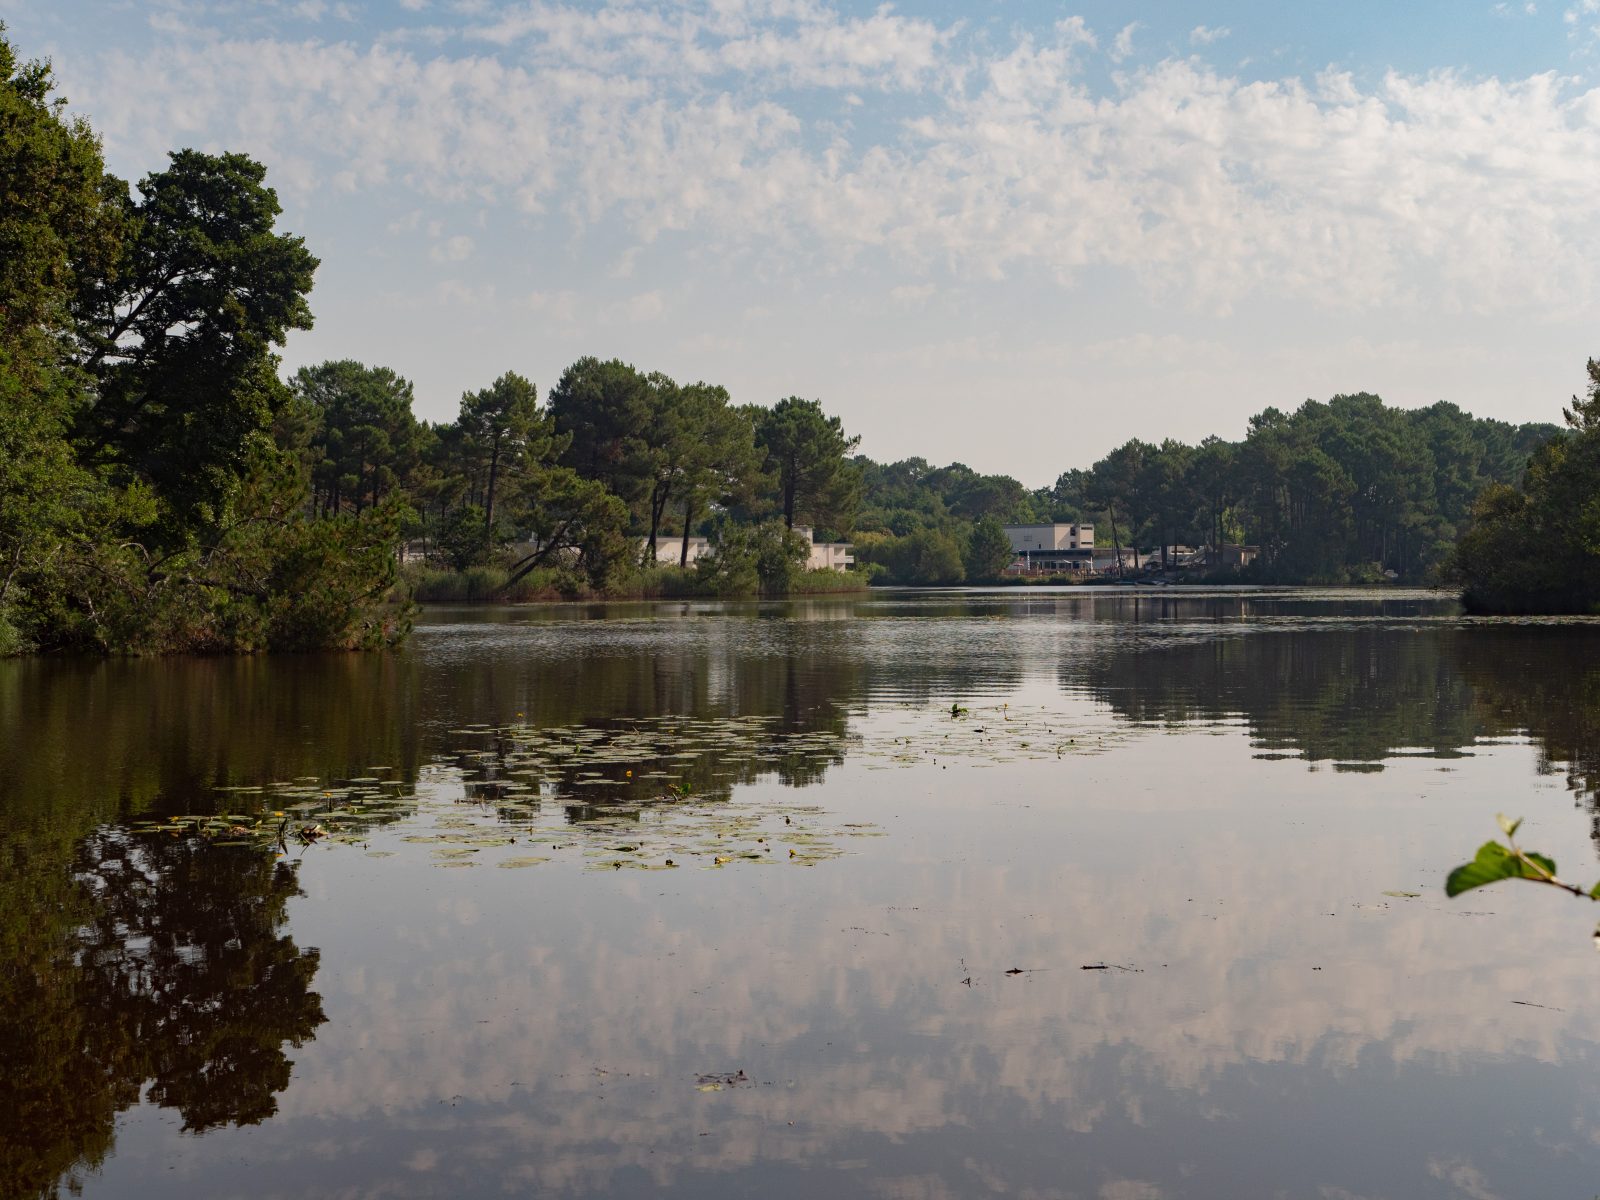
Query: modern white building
[[831, 556], [1052, 547]]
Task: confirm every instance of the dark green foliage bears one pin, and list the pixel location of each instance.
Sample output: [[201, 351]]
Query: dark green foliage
[[572, 518], [154, 968], [504, 424], [921, 524], [613, 459], [266, 576], [602, 410], [805, 453], [899, 497], [53, 224], [1353, 488], [1115, 488], [142, 505], [924, 557], [361, 440], [46, 499], [718, 459], [751, 558], [988, 550], [1537, 549], [462, 539], [1495, 862], [53, 229], [1350, 490], [177, 338]]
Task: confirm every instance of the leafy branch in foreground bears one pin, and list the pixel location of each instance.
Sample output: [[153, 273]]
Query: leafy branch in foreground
[[1495, 862]]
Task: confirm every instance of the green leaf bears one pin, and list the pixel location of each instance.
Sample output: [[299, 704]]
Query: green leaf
[[1549, 864], [1507, 825], [1493, 863]]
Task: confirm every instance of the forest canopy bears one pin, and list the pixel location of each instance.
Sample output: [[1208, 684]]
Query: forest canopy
[[144, 504], [1347, 491], [1536, 548], [163, 488]]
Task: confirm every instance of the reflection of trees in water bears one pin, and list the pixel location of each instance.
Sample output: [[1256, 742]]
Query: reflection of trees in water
[[1545, 682], [1348, 696], [784, 690], [804, 694], [122, 738], [629, 764], [1364, 695], [800, 672], [141, 961], [131, 736]]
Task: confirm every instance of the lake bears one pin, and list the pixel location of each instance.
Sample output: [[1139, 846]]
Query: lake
[[1114, 894]]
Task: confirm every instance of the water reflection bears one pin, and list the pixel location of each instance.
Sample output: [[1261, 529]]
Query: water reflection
[[1368, 694], [142, 967], [478, 1032]]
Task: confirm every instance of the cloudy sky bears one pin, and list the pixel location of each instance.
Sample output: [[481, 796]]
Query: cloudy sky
[[1010, 234]]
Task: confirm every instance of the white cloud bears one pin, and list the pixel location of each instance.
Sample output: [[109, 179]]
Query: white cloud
[[560, 306], [782, 43], [1075, 31], [1122, 44], [454, 249], [457, 293], [1205, 35], [645, 306], [912, 295], [1432, 191]]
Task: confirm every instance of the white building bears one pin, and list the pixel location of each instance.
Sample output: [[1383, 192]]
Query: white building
[[670, 549], [823, 555], [826, 556], [1052, 547]]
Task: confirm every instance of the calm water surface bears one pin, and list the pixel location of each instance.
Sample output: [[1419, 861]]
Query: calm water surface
[[1137, 924]]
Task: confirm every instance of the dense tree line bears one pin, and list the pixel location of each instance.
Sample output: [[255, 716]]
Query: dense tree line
[[144, 504], [1342, 491], [615, 457], [1535, 548], [162, 488]]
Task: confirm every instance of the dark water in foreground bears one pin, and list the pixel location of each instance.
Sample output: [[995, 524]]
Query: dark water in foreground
[[487, 981]]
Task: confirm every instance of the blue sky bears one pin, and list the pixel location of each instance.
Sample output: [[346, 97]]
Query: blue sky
[[1008, 234]]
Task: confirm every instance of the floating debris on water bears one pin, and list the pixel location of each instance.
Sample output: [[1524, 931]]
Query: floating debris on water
[[721, 1082]]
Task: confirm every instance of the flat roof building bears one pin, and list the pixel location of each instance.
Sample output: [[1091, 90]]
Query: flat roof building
[[1052, 547]]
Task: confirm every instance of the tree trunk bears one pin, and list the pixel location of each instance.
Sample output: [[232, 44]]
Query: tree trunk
[[488, 508], [659, 496], [688, 523]]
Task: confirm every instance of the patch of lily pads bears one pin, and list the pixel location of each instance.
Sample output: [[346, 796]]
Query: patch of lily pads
[[656, 793]]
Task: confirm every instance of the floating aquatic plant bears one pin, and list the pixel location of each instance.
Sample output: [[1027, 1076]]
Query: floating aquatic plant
[[653, 793]]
